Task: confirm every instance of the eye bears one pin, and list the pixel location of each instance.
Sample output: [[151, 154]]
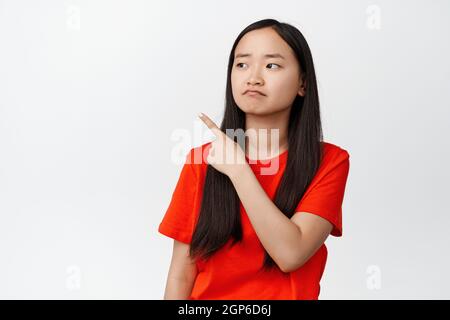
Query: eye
[[278, 66], [274, 64]]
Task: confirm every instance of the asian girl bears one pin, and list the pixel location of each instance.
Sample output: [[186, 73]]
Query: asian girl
[[239, 234]]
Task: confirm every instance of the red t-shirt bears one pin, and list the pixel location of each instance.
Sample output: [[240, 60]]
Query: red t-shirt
[[232, 273]]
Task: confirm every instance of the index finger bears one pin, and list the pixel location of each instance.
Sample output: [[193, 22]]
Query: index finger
[[210, 124]]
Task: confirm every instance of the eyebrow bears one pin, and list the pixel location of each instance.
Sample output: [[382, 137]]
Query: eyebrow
[[269, 55]]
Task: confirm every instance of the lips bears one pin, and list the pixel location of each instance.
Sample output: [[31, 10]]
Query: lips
[[254, 92]]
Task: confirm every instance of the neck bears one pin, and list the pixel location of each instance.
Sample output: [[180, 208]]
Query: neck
[[266, 135]]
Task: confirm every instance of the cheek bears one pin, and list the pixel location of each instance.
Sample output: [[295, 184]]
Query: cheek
[[235, 86], [286, 88], [234, 78]]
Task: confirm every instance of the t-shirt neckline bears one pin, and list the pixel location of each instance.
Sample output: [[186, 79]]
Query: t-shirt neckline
[[282, 157]]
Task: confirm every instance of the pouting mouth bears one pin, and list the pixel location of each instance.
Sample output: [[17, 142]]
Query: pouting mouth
[[254, 91]]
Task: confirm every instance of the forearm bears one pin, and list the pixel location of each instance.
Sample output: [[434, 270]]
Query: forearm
[[177, 289], [277, 233]]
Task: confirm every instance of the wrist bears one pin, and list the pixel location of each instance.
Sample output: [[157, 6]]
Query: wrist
[[239, 171]]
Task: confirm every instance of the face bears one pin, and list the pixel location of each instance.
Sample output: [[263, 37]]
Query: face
[[277, 77]]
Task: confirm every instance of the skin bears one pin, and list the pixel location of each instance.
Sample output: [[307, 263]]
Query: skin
[[290, 242], [279, 79]]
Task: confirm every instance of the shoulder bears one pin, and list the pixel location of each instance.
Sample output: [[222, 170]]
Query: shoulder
[[197, 155], [334, 153], [196, 158], [333, 169], [334, 159]]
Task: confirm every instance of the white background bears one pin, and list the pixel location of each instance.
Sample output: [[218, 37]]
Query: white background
[[92, 91]]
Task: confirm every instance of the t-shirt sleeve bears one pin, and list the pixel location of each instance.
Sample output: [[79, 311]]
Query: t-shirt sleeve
[[325, 194], [178, 221]]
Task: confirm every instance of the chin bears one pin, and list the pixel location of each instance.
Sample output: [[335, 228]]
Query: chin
[[258, 109], [248, 108]]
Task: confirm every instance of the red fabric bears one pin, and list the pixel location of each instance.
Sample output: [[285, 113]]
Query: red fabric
[[233, 272]]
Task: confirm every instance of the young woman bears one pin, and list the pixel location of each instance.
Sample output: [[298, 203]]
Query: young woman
[[255, 227]]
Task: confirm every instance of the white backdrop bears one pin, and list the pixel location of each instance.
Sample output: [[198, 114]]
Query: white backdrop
[[91, 93]]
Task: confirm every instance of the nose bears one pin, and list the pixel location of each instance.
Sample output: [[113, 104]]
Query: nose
[[255, 81], [255, 78]]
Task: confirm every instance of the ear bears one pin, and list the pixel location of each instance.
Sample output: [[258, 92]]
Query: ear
[[302, 89]]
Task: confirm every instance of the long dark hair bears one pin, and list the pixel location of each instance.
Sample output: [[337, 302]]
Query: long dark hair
[[219, 217]]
